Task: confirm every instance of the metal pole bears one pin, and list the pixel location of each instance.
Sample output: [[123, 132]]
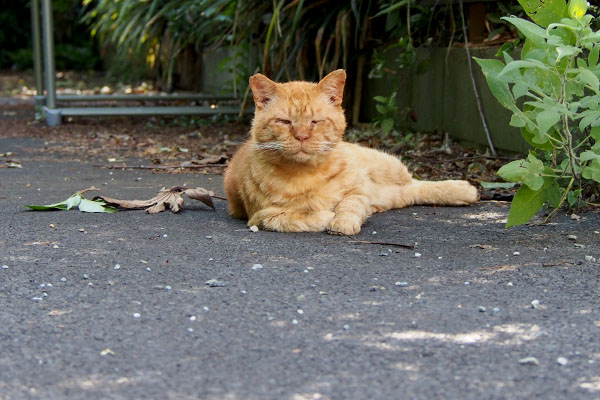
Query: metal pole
[[49, 67], [37, 47]]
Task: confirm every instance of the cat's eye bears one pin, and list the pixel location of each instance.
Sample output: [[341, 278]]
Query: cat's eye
[[284, 121], [315, 122]]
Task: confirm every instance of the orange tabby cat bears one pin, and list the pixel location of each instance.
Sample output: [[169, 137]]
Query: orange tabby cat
[[295, 173]]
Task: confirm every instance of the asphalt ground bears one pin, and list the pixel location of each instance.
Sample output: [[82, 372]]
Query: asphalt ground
[[296, 316]]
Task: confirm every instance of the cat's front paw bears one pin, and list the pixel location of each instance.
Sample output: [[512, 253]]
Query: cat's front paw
[[343, 226]]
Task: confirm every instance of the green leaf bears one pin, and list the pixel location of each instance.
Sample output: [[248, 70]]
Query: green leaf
[[592, 171], [499, 88], [554, 194], [525, 205], [380, 99], [547, 119], [528, 171], [73, 201], [387, 125], [50, 207], [512, 171], [545, 12], [566, 51], [587, 77], [530, 30], [520, 90], [593, 56], [577, 8], [517, 121], [497, 185], [381, 109], [589, 155], [95, 206], [529, 137]]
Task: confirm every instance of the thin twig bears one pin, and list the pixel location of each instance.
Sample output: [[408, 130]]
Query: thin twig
[[404, 246], [475, 88], [109, 166]]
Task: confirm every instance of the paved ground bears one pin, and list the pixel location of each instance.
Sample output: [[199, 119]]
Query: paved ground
[[324, 318]]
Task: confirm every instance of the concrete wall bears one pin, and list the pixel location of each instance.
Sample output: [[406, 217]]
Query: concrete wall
[[443, 100]]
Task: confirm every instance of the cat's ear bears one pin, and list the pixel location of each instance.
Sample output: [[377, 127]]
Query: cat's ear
[[263, 89], [333, 86]]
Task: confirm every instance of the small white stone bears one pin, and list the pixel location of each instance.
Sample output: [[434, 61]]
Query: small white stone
[[572, 237], [44, 294], [167, 287], [417, 255], [495, 309], [136, 315], [402, 284], [300, 311], [37, 299], [193, 318], [295, 321], [148, 269], [575, 217], [42, 285], [205, 308], [305, 271], [562, 361], [589, 258], [516, 253], [190, 330], [63, 279], [85, 276], [467, 283], [165, 235], [242, 291], [481, 309], [374, 233], [55, 246], [90, 284], [509, 284], [535, 304], [4, 266], [529, 361], [117, 266], [346, 327], [257, 266], [208, 237], [48, 285], [254, 228]]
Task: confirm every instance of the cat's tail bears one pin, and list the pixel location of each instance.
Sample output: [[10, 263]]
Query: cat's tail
[[443, 193]]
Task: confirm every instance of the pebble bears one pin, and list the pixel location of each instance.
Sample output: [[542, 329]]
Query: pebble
[[383, 254], [193, 318], [136, 315], [572, 237], [254, 228], [495, 309], [37, 299], [148, 269], [516, 253], [590, 258], [165, 235], [401, 284], [205, 308], [215, 283], [190, 330], [579, 246], [208, 237], [529, 361], [117, 266], [63, 279], [257, 266], [509, 284], [167, 287], [417, 255], [562, 361], [300, 311], [481, 309], [374, 233], [535, 304], [4, 266], [346, 327], [85, 276], [55, 246], [467, 283], [295, 321]]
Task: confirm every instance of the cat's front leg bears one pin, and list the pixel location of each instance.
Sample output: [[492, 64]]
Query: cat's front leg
[[280, 220], [350, 214]]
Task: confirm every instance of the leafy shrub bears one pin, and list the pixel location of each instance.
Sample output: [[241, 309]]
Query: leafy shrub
[[553, 92]]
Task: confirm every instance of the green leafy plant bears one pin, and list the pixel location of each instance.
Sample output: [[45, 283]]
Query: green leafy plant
[[77, 200], [553, 92]]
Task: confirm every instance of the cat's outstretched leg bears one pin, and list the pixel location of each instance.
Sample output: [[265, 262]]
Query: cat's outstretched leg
[[445, 193], [277, 219]]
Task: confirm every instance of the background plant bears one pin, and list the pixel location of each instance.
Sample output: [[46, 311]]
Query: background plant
[[554, 94]]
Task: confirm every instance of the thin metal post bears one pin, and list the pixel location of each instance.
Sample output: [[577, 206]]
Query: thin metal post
[[49, 67], [37, 47]]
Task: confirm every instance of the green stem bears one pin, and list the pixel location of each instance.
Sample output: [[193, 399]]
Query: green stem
[[562, 200]]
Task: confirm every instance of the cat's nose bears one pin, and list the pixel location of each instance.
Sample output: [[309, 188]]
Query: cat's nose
[[301, 136]]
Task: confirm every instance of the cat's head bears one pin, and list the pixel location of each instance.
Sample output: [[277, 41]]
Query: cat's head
[[298, 121]]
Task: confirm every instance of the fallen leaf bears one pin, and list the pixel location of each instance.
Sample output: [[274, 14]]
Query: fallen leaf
[[171, 198], [483, 246]]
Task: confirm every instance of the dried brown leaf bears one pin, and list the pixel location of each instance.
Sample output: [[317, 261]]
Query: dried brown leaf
[[201, 194], [166, 198]]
